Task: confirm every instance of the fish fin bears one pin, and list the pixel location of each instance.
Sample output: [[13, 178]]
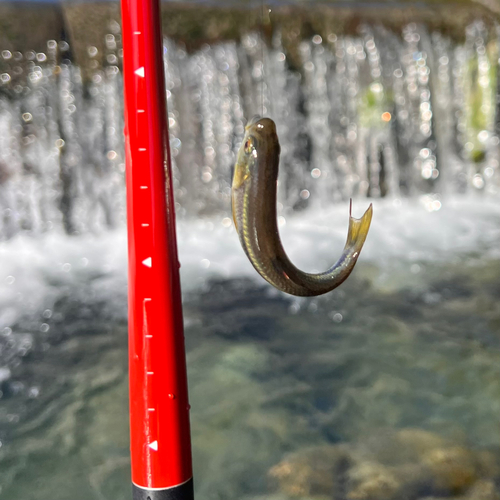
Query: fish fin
[[358, 228]]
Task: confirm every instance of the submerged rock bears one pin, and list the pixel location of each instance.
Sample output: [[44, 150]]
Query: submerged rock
[[374, 481], [483, 490], [316, 472], [453, 469], [409, 464]]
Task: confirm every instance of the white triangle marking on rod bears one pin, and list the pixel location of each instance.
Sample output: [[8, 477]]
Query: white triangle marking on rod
[[148, 262], [154, 445], [140, 72]]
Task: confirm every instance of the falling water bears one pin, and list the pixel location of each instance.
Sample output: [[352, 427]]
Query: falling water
[[379, 114]]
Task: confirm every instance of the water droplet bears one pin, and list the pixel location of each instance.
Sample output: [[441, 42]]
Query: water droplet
[[309, 66], [415, 268], [426, 172], [478, 181], [426, 115], [205, 263], [9, 280], [433, 206], [337, 317], [33, 392], [483, 136], [370, 45], [171, 396]]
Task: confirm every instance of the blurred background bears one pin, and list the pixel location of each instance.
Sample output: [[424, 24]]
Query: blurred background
[[388, 388]]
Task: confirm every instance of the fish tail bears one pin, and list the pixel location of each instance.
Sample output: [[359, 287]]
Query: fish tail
[[358, 228]]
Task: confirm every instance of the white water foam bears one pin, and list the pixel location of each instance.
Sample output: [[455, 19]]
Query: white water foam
[[34, 272], [401, 230]]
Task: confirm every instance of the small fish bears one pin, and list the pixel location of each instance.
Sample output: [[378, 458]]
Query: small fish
[[254, 213]]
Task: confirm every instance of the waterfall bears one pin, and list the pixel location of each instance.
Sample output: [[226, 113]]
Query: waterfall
[[377, 114]]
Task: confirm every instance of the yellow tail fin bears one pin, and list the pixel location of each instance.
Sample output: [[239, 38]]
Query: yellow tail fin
[[358, 228]]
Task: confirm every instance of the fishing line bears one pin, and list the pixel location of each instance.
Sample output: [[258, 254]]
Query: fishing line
[[262, 42]]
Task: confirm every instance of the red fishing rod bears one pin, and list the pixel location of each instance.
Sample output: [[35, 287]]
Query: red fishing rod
[[159, 408]]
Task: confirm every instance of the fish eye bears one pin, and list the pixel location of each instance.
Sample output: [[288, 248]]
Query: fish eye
[[248, 146]]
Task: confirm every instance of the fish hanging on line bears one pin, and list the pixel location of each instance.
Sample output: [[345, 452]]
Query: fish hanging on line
[[254, 213]]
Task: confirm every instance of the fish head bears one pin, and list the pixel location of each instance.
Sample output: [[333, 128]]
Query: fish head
[[259, 150]]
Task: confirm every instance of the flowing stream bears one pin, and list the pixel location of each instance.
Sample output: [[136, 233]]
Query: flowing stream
[[387, 388]]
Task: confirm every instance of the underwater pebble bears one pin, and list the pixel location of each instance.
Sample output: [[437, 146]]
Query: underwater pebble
[[390, 466]]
